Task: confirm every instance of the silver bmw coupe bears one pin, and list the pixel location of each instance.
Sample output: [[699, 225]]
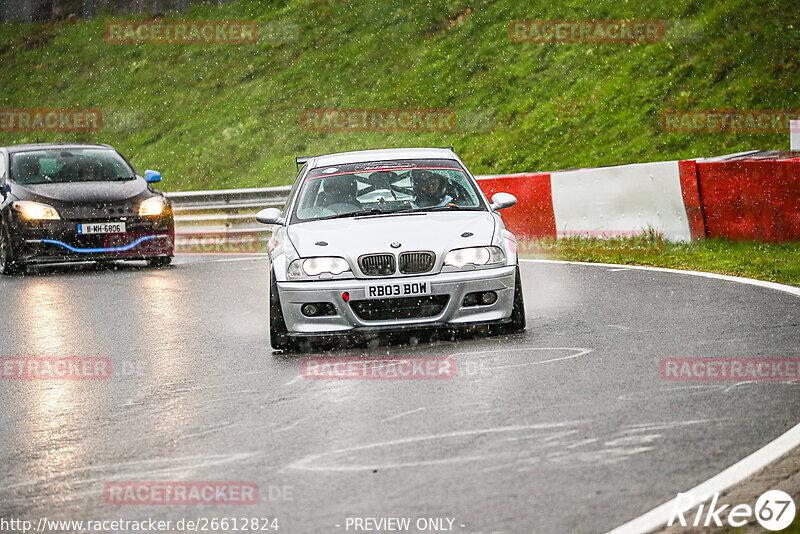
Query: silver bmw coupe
[[386, 240]]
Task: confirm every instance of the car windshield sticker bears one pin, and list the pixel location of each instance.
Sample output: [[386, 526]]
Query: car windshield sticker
[[384, 165], [374, 169]]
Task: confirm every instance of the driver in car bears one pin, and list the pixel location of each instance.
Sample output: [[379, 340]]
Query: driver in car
[[430, 189], [89, 172], [339, 190]]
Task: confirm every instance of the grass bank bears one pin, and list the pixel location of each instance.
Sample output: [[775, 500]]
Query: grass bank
[[220, 115]]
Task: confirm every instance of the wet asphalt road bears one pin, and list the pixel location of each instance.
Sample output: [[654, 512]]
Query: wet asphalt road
[[566, 427]]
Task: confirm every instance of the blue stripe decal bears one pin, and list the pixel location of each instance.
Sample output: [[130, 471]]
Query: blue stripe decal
[[107, 249]]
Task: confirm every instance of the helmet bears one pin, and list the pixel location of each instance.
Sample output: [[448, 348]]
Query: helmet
[[429, 187], [90, 170], [340, 189]]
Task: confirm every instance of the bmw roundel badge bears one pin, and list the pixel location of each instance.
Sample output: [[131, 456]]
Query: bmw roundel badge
[[395, 245]]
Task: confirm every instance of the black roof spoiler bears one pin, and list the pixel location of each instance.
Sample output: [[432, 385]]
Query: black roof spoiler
[[301, 160]]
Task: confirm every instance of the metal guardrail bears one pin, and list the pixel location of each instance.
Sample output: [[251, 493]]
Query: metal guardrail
[[225, 210]]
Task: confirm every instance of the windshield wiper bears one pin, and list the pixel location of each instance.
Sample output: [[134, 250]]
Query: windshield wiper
[[378, 211], [440, 208], [359, 213]]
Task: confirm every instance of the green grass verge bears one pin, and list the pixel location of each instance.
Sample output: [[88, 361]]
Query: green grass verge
[[776, 262], [220, 116]]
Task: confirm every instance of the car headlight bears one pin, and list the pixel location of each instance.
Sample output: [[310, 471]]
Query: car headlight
[[152, 207], [36, 211], [477, 256], [317, 266]]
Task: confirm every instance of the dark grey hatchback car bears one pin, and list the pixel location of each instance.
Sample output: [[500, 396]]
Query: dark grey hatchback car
[[65, 202]]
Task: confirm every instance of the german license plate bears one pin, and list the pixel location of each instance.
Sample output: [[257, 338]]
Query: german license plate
[[101, 228], [400, 289]]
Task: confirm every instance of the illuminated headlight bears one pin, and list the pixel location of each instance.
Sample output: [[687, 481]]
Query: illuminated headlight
[[152, 207], [318, 266], [474, 256], [36, 211]]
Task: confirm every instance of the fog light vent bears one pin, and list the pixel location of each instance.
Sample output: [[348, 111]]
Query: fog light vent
[[317, 309], [480, 298]]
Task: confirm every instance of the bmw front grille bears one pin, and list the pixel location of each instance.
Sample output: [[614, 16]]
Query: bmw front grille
[[377, 264], [416, 262]]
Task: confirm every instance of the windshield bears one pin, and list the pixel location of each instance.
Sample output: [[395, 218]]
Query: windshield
[[385, 187], [69, 165]]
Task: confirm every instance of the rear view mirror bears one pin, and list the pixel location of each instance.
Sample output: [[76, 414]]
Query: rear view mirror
[[269, 216], [503, 200], [152, 176]]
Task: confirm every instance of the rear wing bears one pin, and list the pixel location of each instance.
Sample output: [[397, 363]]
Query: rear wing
[[301, 160]]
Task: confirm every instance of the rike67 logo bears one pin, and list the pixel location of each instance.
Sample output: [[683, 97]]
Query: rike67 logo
[[774, 510]]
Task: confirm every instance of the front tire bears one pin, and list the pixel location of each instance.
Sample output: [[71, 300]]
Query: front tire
[[161, 261], [8, 263], [517, 323], [278, 334]]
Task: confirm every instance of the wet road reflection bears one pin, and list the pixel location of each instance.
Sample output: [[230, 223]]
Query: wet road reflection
[[568, 411]]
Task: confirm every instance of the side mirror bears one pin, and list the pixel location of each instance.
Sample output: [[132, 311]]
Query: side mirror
[[270, 216], [152, 176], [502, 201], [5, 189]]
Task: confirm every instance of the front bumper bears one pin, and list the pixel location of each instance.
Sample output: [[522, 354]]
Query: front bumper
[[36, 242], [455, 285]]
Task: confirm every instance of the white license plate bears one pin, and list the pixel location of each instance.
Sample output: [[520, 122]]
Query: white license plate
[[101, 228], [400, 289]]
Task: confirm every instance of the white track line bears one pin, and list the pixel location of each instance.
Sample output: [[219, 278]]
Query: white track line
[[752, 281], [658, 516]]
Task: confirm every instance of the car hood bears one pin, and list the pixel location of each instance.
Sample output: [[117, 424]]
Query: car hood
[[76, 192], [351, 237]]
